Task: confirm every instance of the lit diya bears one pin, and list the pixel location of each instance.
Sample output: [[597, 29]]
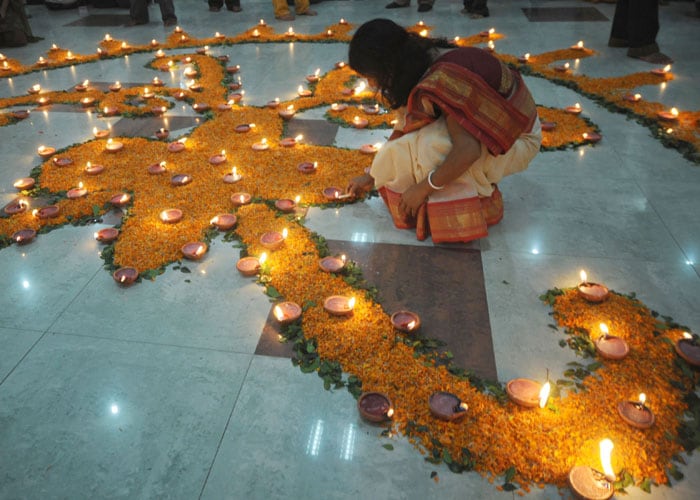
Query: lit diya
[[162, 133], [306, 167], [16, 207], [125, 275], [91, 169], [45, 151], [113, 146], [107, 235], [243, 127], [82, 87], [688, 348], [528, 393], [201, 107], [358, 122], [632, 97], [661, 71], [240, 199], [43, 101], [115, 87], [47, 212], [592, 292], [302, 92], [447, 406], [547, 126], [233, 69], [34, 89], [24, 236], [524, 58], [272, 240], [335, 193], [636, 413], [171, 215], [287, 113], [338, 106], [332, 264], [248, 266], [100, 133], [223, 222], [668, 116], [288, 142], [177, 146], [120, 200], [339, 305], [110, 110], [370, 110], [405, 321], [610, 346], [588, 483], [274, 103], [218, 159], [261, 146], [194, 250], [339, 65], [180, 179], [20, 114], [564, 68], [285, 205], [574, 110], [62, 161], [78, 192], [591, 137], [232, 177], [24, 183], [286, 312], [314, 77], [375, 407], [370, 149]]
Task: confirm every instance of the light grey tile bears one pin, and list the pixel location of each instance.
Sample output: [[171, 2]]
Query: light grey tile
[[15, 344]]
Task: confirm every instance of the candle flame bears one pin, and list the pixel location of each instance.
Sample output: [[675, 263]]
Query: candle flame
[[108, 37], [687, 335], [527, 56], [223, 152], [263, 141], [95, 235], [88, 165], [35, 212], [580, 44], [122, 279], [290, 31], [109, 142], [317, 72], [584, 276], [604, 329], [80, 185], [300, 89], [606, 447], [200, 250], [299, 138], [297, 199], [642, 398], [544, 394], [351, 303], [566, 66], [183, 140], [263, 258], [637, 96], [342, 257], [423, 33], [411, 325], [285, 233], [390, 412], [290, 107], [577, 105], [360, 87], [233, 172], [674, 111], [256, 32], [492, 31], [69, 55], [667, 68], [378, 145], [279, 314]]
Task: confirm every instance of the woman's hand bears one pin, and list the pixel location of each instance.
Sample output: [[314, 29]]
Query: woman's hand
[[413, 198], [360, 185]]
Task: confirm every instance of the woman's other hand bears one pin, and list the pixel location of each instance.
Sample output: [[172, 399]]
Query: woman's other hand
[[360, 185], [413, 198]]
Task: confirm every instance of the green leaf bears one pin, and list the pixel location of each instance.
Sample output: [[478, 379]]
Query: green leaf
[[433, 474], [509, 487], [185, 269], [271, 291], [645, 485], [510, 474], [96, 210], [388, 446]]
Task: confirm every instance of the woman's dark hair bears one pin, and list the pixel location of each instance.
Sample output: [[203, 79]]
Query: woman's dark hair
[[393, 56]]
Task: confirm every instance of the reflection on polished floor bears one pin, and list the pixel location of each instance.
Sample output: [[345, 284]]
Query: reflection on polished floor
[[166, 389]]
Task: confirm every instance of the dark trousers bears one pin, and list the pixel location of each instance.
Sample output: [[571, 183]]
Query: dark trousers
[[220, 3], [139, 10], [477, 7], [636, 24]]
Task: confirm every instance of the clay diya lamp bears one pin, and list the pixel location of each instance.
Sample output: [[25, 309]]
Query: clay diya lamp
[[107, 235], [235, 85], [632, 97], [41, 62], [82, 87], [564, 68], [525, 58], [47, 212], [272, 240], [610, 346], [668, 116], [232, 177], [335, 193], [370, 110], [285, 205], [113, 146], [287, 113], [661, 71], [176, 147], [190, 72], [588, 483], [91, 169], [307, 167], [302, 92], [115, 87], [109, 110], [194, 250], [78, 192], [248, 266], [16, 207], [487, 33], [159, 110], [225, 106], [222, 57], [524, 392], [43, 101], [162, 133], [45, 151], [688, 348], [359, 123], [154, 43], [242, 128], [180, 180], [339, 65], [240, 199], [180, 96], [273, 104], [62, 161], [24, 183], [339, 305], [338, 107], [405, 321], [332, 264], [86, 102], [288, 142], [224, 222], [201, 107], [592, 292], [591, 137], [218, 159], [125, 275], [23, 236], [231, 70], [447, 406], [171, 215], [235, 98], [34, 89], [636, 413], [100, 133], [574, 110], [120, 200], [375, 407], [261, 146], [369, 149], [20, 114], [547, 126], [286, 312]]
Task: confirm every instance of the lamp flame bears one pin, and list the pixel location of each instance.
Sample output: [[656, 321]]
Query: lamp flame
[[285, 233], [606, 447], [667, 68], [687, 335], [642, 398], [263, 258], [604, 329], [674, 112], [411, 325], [544, 394], [390, 412], [279, 314], [584, 276], [351, 303]]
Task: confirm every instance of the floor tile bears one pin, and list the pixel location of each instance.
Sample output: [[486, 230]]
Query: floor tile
[[94, 418], [15, 344], [563, 14]]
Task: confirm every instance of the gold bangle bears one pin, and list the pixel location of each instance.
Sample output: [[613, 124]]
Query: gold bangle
[[430, 182]]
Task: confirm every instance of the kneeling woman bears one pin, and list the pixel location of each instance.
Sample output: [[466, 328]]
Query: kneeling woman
[[466, 120]]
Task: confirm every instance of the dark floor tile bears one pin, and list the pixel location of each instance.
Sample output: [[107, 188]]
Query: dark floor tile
[[317, 132], [443, 285], [147, 126], [101, 20], [269, 343], [563, 14]]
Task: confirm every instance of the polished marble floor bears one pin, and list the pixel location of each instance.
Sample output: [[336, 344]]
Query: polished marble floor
[[166, 390]]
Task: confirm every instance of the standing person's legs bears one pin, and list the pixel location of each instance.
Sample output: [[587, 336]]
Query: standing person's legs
[[282, 10], [138, 12], [215, 5], [301, 7], [399, 4], [233, 5], [167, 12], [642, 27], [619, 37], [425, 5]]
